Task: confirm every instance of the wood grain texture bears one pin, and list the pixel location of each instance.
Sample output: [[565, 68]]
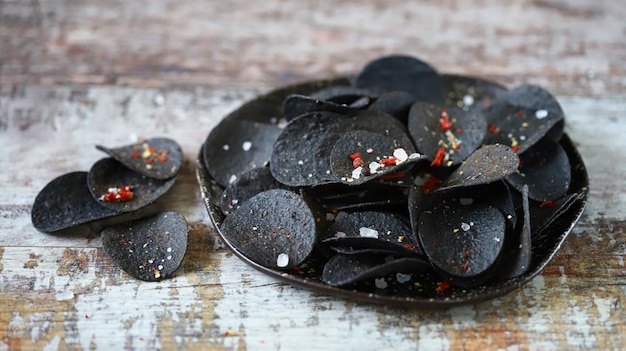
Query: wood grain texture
[[75, 73]]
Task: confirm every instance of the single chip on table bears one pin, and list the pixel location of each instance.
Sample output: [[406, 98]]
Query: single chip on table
[[462, 242], [447, 135], [119, 188], [66, 202], [402, 73], [275, 228], [149, 249], [360, 156], [246, 186], [343, 270], [159, 158], [545, 168], [372, 230], [486, 165]]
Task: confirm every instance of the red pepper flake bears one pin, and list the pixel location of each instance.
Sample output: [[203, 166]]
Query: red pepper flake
[[389, 161], [442, 286], [118, 194], [355, 155], [135, 154], [162, 159], [445, 121], [515, 148], [431, 184], [409, 246], [296, 269], [357, 161], [519, 113], [438, 157], [493, 129], [467, 253], [546, 204], [465, 266]]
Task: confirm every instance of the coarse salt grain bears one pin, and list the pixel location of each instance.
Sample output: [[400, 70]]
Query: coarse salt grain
[[356, 173], [374, 166], [380, 283], [246, 146], [226, 147], [468, 100], [340, 235], [282, 260], [465, 226], [402, 277], [540, 114], [400, 154], [366, 232]]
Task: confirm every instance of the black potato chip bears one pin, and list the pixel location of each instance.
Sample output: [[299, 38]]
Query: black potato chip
[[149, 249], [402, 73], [545, 168], [275, 228], [66, 202], [158, 158], [447, 135], [486, 165], [343, 270], [122, 189], [246, 186]]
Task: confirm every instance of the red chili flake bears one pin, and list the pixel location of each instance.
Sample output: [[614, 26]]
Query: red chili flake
[[392, 176], [457, 146], [162, 159], [465, 266], [355, 155], [442, 286], [466, 253], [357, 162], [431, 184], [493, 129], [515, 148], [119, 195], [135, 154], [445, 121], [546, 204], [438, 157], [296, 269], [487, 103], [409, 246], [519, 113], [389, 161], [148, 160]]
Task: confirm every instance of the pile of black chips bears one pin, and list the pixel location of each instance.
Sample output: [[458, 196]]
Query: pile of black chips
[[399, 182], [151, 246]]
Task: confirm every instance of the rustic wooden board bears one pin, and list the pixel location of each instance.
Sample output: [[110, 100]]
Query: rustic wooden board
[[77, 73]]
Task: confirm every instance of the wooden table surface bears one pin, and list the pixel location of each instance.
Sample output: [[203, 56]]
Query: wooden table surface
[[78, 73]]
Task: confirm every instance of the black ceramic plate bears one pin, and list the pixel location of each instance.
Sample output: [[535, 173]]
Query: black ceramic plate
[[544, 245]]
